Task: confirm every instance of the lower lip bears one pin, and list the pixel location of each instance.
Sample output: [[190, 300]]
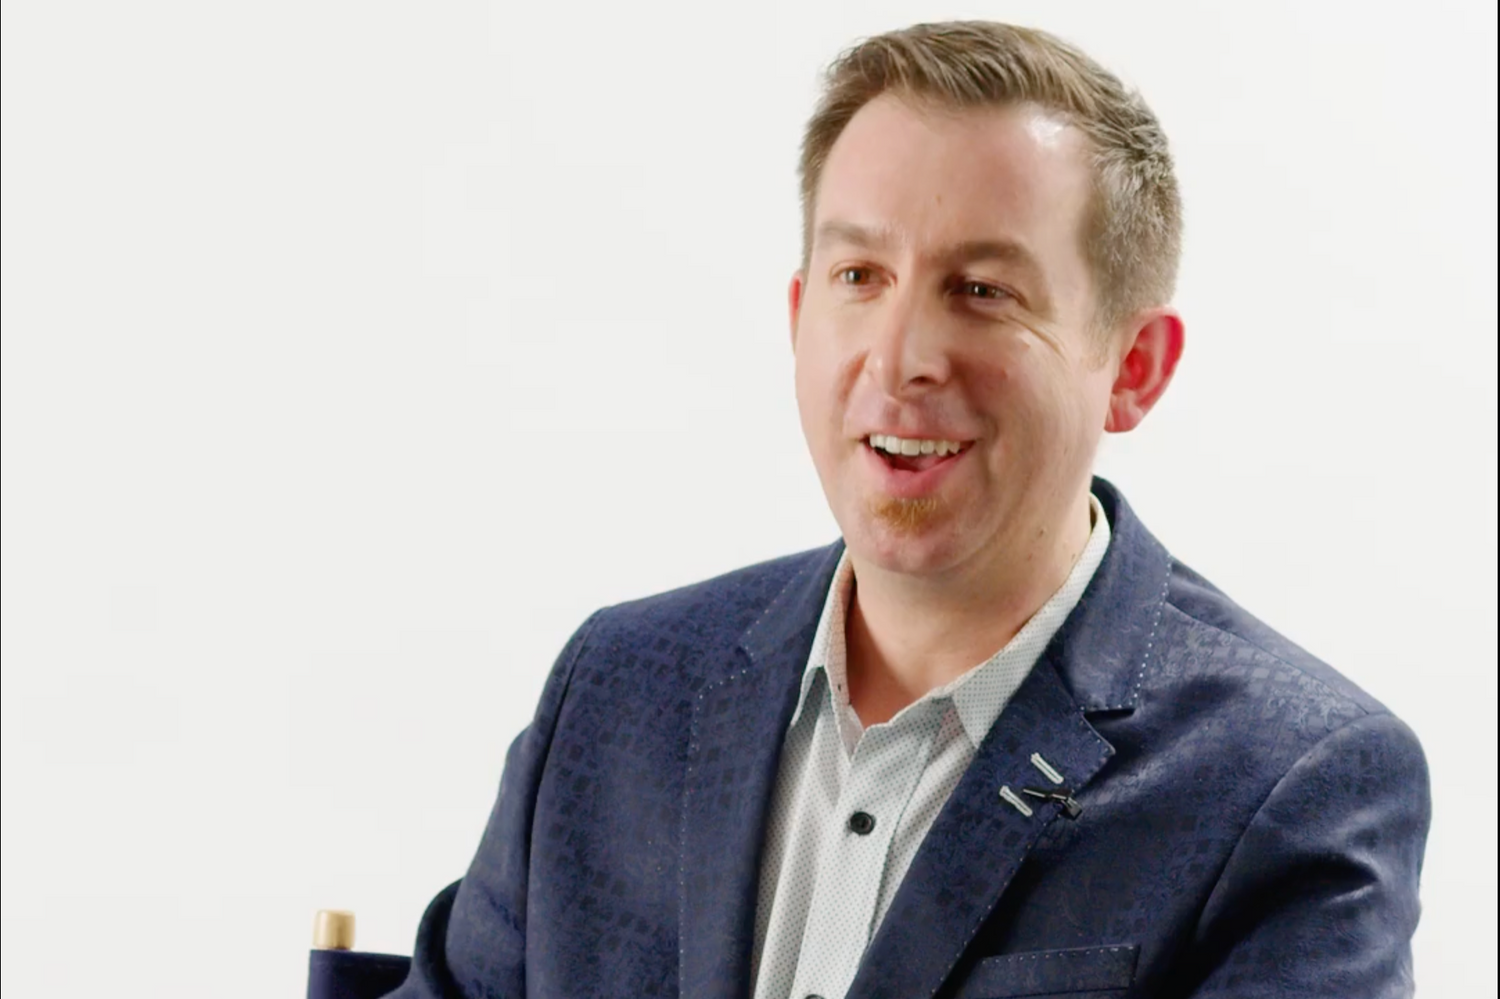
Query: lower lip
[[904, 484]]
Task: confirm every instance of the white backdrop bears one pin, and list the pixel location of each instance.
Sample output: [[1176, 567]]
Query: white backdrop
[[355, 352]]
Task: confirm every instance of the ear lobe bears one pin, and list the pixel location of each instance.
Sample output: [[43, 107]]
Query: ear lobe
[[794, 303], [1145, 369]]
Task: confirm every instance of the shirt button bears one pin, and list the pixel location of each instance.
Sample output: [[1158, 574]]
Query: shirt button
[[860, 823]]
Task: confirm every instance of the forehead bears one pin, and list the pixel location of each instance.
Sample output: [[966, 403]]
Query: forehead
[[931, 178]]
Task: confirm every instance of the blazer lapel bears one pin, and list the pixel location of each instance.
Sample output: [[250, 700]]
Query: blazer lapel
[[979, 840], [738, 726]]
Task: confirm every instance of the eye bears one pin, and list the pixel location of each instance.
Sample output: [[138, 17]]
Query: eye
[[983, 291], [854, 276]]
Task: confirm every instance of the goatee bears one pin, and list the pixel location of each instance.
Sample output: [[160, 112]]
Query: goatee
[[905, 516]]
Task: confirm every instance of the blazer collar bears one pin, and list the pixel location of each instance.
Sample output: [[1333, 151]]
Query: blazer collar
[[738, 725], [1104, 647]]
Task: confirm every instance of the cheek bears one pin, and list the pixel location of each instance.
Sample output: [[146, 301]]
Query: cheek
[[819, 371], [1002, 386], [818, 405], [809, 381], [1031, 396], [989, 382]]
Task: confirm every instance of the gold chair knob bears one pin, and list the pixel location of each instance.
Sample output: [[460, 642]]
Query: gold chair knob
[[333, 929]]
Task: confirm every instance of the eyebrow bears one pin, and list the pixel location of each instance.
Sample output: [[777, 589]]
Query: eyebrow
[[968, 252]]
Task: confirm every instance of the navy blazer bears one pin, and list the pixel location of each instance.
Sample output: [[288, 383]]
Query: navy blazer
[[1253, 823]]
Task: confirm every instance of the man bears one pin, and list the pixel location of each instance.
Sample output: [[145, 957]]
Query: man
[[996, 741]]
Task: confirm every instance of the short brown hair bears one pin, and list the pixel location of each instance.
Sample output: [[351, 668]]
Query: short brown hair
[[1132, 236]]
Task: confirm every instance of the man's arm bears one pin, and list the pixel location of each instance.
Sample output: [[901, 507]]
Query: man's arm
[[472, 939], [1319, 898]]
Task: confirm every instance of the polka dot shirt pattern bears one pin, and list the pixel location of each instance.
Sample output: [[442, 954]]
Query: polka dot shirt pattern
[[852, 805]]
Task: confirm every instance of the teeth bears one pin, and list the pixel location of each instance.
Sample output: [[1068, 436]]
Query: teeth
[[911, 447]]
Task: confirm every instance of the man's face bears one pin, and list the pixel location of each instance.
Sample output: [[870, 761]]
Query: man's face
[[946, 299]]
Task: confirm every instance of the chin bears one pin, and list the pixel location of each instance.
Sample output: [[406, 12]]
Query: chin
[[915, 537]]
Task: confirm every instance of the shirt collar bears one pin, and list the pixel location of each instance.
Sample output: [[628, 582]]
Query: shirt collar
[[979, 695], [827, 653]]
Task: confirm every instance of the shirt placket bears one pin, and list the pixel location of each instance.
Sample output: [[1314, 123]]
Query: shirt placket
[[887, 763]]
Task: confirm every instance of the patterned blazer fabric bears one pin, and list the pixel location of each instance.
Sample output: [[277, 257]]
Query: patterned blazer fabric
[[1252, 823]]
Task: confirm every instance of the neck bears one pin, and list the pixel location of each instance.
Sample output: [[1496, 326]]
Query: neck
[[906, 635]]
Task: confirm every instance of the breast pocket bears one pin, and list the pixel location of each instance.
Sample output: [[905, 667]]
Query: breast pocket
[[1078, 972]]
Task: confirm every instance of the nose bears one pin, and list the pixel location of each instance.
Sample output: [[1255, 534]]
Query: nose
[[907, 353]]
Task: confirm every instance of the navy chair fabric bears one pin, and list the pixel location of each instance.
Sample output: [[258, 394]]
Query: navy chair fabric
[[352, 974]]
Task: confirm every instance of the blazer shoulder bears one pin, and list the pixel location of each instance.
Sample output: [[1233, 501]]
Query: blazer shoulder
[[712, 612], [1246, 654]]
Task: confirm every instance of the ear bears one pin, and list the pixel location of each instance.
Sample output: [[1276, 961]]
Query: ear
[[794, 302], [1150, 357]]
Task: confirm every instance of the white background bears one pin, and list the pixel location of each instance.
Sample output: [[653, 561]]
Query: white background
[[355, 352]]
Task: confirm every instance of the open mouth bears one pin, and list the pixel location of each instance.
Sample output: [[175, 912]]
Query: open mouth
[[909, 454]]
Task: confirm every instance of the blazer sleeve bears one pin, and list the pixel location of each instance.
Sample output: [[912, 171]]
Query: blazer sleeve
[[472, 939], [1319, 898]]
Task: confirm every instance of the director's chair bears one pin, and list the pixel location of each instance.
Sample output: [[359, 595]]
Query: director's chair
[[335, 970]]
